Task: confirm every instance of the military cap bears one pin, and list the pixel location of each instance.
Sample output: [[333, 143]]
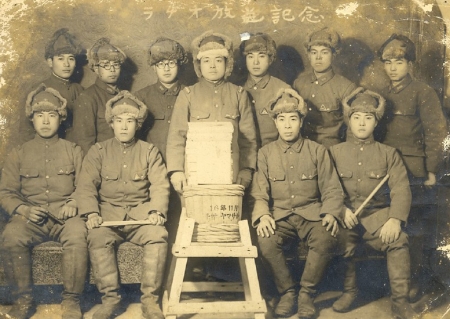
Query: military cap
[[287, 101], [45, 99], [366, 101], [326, 37], [104, 50], [62, 42], [166, 49], [216, 43], [260, 42], [125, 102], [397, 47]]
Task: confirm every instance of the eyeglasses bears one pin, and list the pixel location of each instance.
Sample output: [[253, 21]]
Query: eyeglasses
[[162, 65], [107, 66]]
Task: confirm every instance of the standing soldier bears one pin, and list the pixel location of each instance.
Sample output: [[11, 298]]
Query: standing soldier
[[416, 127], [36, 189], [89, 124], [323, 90], [61, 54]]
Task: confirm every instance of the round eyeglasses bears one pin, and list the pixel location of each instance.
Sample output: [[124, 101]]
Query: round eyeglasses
[[162, 65], [107, 66]]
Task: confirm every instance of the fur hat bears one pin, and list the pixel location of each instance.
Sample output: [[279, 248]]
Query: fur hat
[[166, 49], [366, 101], [45, 99], [397, 47], [62, 42], [287, 101], [260, 42], [326, 37], [125, 102], [103, 50], [212, 42]]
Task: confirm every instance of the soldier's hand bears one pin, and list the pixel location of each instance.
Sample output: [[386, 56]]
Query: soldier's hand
[[390, 231], [331, 224], [67, 211], [178, 180], [431, 180], [34, 214], [350, 219], [94, 221], [244, 177], [266, 226], [156, 219]]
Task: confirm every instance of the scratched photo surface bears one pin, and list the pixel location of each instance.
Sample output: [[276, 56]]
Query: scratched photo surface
[[26, 27]]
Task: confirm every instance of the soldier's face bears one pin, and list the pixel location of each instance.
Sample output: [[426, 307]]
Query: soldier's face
[[45, 123], [257, 63], [397, 69], [320, 58], [166, 71], [108, 71], [288, 125], [212, 67], [124, 126], [362, 124], [62, 65]]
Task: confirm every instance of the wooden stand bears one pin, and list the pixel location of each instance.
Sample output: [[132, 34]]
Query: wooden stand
[[185, 248]]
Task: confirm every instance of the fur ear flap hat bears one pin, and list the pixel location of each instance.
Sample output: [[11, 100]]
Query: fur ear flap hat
[[326, 37], [397, 47], [104, 50], [260, 42], [45, 99], [365, 101], [166, 49], [287, 101], [62, 42], [125, 102]]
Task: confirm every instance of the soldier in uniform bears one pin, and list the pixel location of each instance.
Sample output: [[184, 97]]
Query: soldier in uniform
[[415, 126], [61, 54], [361, 164], [297, 196], [260, 51], [36, 189], [323, 90], [125, 179], [89, 124]]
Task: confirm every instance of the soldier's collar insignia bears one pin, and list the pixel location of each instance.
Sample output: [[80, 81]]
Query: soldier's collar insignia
[[264, 112]]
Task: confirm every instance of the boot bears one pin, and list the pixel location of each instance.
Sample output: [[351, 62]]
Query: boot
[[398, 265], [347, 299], [19, 262], [286, 305], [315, 267], [106, 274], [153, 264], [74, 270]]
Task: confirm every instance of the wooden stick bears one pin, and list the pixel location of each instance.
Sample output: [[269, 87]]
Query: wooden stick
[[360, 208], [125, 223]]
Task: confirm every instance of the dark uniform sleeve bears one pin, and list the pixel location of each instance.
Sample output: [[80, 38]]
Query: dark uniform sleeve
[[247, 133], [10, 186], [260, 190], [84, 118]]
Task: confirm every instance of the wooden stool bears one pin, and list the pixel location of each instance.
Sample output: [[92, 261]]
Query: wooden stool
[[185, 248]]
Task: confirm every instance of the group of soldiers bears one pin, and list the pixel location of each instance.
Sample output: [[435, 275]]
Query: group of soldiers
[[305, 154]]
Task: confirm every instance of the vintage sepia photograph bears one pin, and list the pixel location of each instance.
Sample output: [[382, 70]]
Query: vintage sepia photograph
[[224, 159]]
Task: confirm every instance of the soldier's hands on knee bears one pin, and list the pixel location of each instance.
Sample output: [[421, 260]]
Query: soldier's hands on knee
[[390, 231], [67, 212], [34, 214], [244, 177], [156, 219], [178, 180], [431, 180], [331, 224], [266, 226], [94, 221], [350, 219]]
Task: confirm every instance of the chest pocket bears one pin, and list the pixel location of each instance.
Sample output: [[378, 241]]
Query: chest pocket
[[232, 116], [327, 106], [65, 170], [108, 175], [197, 115], [345, 173], [277, 176], [158, 115], [29, 172], [308, 175], [140, 175], [376, 173], [406, 109]]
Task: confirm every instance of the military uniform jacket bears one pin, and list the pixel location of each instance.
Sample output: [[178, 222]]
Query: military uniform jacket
[[42, 172], [416, 125], [361, 165], [209, 102], [89, 124], [160, 102], [261, 94], [296, 179], [68, 90], [324, 121], [123, 179]]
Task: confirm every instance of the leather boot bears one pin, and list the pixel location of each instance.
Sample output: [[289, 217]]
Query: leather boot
[[348, 297], [286, 305], [18, 260], [398, 265], [74, 270], [106, 274], [315, 267], [153, 264]]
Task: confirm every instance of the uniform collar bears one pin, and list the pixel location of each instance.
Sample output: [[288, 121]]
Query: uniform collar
[[59, 79], [106, 87], [400, 86], [324, 77], [46, 141], [357, 141], [296, 146], [261, 84], [125, 145], [173, 90], [211, 84]]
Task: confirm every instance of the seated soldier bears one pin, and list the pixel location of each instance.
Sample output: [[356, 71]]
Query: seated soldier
[[36, 189], [361, 164], [297, 196], [125, 179]]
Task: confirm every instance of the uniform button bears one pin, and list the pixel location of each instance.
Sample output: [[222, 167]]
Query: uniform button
[[168, 106], [292, 196], [46, 176], [292, 166], [313, 95], [125, 166], [254, 88], [217, 105], [253, 101], [359, 179], [168, 121], [46, 146], [361, 149], [125, 196], [48, 204], [47, 191], [215, 91], [310, 109], [357, 195], [47, 161], [359, 163], [124, 182], [317, 82], [292, 182], [124, 152], [290, 152]]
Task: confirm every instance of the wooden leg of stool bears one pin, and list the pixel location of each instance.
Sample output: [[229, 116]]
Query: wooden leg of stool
[[244, 275], [177, 281]]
